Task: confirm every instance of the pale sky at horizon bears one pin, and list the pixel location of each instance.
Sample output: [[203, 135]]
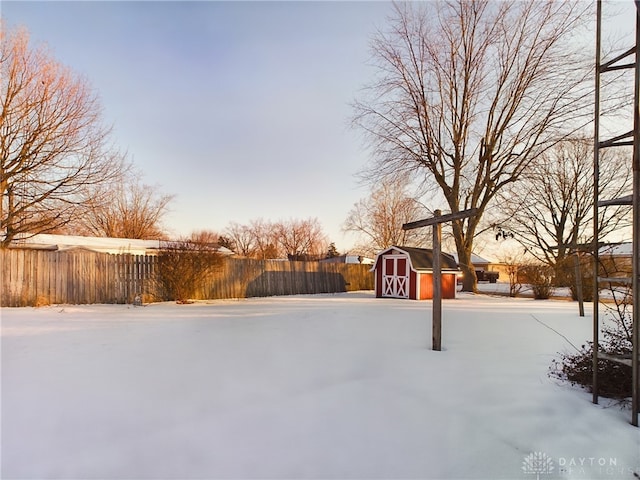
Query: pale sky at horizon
[[240, 109]]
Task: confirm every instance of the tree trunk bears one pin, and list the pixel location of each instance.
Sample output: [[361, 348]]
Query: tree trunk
[[464, 246], [469, 279]]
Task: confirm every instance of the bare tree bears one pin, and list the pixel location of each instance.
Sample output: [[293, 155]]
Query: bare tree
[[130, 209], [468, 93], [514, 262], [254, 240], [242, 239], [53, 146], [301, 238], [205, 237], [262, 239], [550, 211], [265, 239], [377, 220]]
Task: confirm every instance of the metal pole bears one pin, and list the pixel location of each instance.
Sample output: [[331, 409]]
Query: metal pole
[[578, 274], [636, 231], [437, 285], [596, 179]]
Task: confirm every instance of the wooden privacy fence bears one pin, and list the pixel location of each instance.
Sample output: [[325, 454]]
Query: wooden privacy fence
[[42, 277]]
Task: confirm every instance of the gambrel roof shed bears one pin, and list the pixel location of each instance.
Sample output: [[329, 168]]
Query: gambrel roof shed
[[407, 272]]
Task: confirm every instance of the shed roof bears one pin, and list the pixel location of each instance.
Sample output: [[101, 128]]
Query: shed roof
[[422, 258]]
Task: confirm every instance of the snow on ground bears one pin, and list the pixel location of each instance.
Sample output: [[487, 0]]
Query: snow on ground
[[326, 386], [502, 288]]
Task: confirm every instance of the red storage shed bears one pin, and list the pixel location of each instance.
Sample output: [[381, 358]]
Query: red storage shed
[[407, 272]]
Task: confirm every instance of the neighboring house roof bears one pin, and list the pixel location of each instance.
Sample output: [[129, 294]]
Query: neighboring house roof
[[359, 259], [618, 250], [97, 244], [475, 259], [421, 259], [133, 246], [346, 258]]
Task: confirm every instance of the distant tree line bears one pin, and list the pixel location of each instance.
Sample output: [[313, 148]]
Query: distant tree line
[[298, 239]]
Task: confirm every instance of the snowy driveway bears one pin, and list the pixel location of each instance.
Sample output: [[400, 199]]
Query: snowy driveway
[[327, 386]]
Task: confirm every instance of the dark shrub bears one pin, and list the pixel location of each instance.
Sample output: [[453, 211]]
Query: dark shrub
[[183, 268], [614, 379], [540, 278]]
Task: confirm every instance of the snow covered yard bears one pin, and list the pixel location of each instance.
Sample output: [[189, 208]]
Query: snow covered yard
[[326, 386]]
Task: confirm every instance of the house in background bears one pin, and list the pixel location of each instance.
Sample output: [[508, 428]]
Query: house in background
[[131, 246], [486, 270], [407, 272], [617, 259], [347, 258]]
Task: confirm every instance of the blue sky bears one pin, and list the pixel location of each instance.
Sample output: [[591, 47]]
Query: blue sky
[[240, 109]]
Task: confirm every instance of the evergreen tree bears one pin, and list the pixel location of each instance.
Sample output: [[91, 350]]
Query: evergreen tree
[[332, 251]]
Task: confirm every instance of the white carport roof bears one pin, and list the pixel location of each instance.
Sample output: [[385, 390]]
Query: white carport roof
[[46, 241]]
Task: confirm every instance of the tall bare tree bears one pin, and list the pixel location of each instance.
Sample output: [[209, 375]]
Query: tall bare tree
[[550, 211], [301, 237], [469, 93], [130, 209], [265, 239], [242, 239], [377, 219], [53, 145]]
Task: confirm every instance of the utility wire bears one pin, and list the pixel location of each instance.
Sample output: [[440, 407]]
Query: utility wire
[[554, 330]]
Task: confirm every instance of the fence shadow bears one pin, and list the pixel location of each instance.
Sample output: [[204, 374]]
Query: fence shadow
[[295, 283]]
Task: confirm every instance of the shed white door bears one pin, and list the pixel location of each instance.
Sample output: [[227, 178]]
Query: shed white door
[[395, 276]]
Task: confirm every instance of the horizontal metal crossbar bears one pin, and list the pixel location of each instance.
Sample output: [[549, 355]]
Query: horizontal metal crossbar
[[624, 360], [621, 280], [610, 65], [624, 66], [617, 141], [626, 200]]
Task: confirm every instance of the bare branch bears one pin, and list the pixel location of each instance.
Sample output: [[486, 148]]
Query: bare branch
[[550, 210], [53, 147], [377, 220], [468, 94]]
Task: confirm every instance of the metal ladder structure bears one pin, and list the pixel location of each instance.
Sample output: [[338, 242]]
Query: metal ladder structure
[[631, 138]]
